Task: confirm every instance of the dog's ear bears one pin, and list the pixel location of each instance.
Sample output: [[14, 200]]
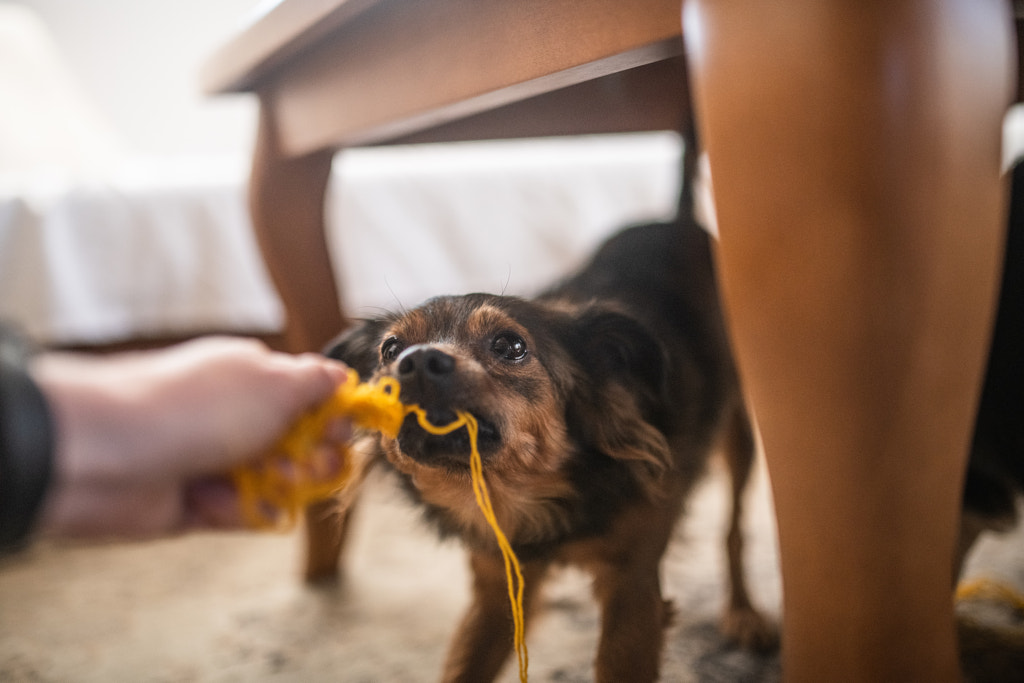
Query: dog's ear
[[616, 345], [359, 346], [621, 402]]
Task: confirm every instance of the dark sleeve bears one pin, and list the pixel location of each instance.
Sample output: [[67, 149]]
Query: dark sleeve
[[26, 443]]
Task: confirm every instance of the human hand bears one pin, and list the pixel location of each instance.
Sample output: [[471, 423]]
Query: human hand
[[143, 439]]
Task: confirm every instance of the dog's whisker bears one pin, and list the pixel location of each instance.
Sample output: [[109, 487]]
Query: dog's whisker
[[508, 279], [398, 302]]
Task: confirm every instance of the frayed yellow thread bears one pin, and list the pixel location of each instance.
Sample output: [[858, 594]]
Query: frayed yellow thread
[[272, 499], [990, 590], [513, 572], [276, 489]]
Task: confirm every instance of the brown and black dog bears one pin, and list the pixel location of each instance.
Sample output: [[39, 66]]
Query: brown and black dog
[[599, 404]]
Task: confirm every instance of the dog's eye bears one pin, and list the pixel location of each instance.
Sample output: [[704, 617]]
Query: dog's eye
[[390, 349], [509, 346]]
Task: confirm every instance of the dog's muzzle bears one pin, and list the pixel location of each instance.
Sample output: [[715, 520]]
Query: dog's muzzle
[[429, 378]]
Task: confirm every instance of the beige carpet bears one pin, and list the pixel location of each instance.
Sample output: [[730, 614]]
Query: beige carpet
[[230, 607]]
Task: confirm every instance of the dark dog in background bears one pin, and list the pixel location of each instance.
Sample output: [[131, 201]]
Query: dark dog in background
[[599, 404], [995, 473], [991, 646]]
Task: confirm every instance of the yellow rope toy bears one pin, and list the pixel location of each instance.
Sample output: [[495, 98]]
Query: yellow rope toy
[[990, 590], [373, 406]]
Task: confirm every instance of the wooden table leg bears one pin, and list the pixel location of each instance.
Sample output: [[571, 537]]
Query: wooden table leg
[[855, 155], [286, 200]]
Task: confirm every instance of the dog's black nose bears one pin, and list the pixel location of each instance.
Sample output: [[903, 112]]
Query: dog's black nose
[[426, 362]]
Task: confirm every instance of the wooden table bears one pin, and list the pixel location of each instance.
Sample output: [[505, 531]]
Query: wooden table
[[331, 74]]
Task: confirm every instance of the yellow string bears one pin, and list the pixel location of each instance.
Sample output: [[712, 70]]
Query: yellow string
[[275, 490], [990, 590], [513, 572]]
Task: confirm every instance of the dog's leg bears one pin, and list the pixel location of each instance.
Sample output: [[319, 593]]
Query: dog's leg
[[742, 624], [327, 528], [633, 621], [484, 638]]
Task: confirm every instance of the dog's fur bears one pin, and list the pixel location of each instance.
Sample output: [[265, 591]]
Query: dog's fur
[[599, 404]]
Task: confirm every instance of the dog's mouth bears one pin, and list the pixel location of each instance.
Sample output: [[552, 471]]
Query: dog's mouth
[[445, 450]]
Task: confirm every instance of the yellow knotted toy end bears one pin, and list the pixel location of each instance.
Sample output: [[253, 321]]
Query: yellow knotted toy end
[[274, 490]]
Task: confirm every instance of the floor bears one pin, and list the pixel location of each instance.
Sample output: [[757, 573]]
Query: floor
[[230, 607]]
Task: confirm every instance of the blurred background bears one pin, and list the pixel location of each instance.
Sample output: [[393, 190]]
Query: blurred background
[[123, 222], [135, 65], [123, 187]]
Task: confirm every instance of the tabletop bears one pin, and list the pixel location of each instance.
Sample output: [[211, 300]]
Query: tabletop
[[357, 72]]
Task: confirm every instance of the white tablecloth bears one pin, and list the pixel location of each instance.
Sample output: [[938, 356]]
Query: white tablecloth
[[164, 251]]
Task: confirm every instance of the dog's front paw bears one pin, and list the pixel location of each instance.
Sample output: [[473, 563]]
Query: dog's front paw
[[747, 628]]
